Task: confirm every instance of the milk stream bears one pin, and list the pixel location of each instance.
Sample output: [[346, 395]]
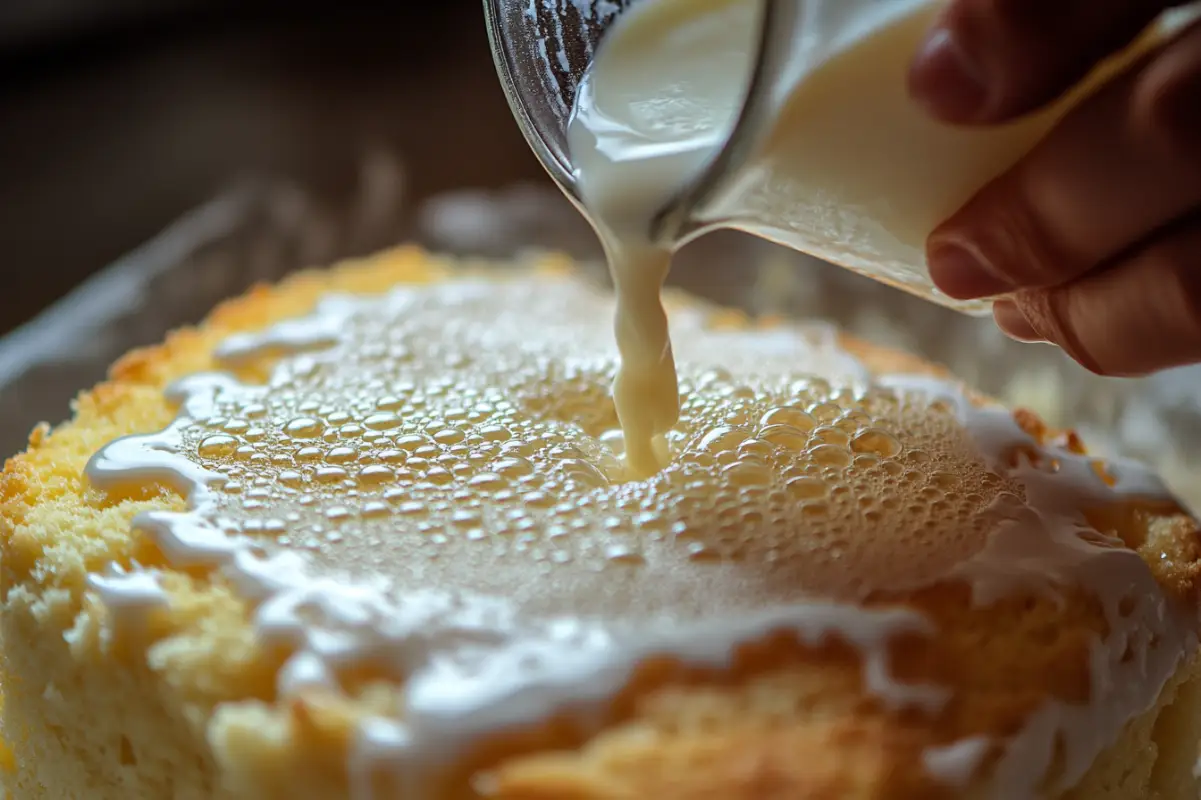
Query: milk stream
[[632, 148]]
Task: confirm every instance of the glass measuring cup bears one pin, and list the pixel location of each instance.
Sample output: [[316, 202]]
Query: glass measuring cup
[[827, 155], [542, 49]]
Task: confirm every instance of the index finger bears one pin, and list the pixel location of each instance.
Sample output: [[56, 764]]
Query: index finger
[[989, 61]]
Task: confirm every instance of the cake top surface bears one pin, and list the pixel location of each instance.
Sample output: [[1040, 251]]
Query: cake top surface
[[424, 487]]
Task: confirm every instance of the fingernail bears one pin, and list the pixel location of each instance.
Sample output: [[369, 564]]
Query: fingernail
[[962, 274], [1013, 322], [946, 79]]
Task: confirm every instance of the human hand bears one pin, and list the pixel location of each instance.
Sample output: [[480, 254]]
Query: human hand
[[1094, 238]]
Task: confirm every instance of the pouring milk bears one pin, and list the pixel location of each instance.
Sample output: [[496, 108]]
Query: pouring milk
[[846, 167]]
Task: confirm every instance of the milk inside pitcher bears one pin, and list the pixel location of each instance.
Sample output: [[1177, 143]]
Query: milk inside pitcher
[[789, 120]]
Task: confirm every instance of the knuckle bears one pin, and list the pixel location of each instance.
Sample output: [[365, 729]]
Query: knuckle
[[1017, 242], [1019, 15], [1180, 277], [1143, 317], [1057, 316], [1167, 102], [1017, 41]]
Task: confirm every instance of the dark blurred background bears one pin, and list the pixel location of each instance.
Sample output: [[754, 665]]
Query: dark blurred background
[[118, 116]]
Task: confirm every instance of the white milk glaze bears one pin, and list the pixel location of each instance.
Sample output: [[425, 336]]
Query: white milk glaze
[[1044, 543], [479, 661], [956, 764], [136, 588]]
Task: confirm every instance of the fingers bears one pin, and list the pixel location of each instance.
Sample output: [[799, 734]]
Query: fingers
[[1095, 236], [1169, 96], [1123, 164], [1137, 317], [992, 60]]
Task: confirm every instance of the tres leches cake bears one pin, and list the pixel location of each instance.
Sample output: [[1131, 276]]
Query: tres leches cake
[[370, 535]]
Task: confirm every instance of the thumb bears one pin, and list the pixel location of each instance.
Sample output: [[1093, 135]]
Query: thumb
[[1140, 316]]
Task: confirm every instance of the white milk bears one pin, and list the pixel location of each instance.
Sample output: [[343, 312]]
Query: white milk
[[848, 169], [642, 125]]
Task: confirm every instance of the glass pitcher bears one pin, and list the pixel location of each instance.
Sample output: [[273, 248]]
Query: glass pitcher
[[828, 154]]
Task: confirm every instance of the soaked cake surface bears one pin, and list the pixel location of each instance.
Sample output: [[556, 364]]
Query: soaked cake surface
[[420, 499]]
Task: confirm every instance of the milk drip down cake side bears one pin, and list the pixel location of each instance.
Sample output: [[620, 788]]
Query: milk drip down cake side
[[374, 531]]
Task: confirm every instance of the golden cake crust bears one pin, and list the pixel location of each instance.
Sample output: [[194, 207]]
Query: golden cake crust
[[787, 720]]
